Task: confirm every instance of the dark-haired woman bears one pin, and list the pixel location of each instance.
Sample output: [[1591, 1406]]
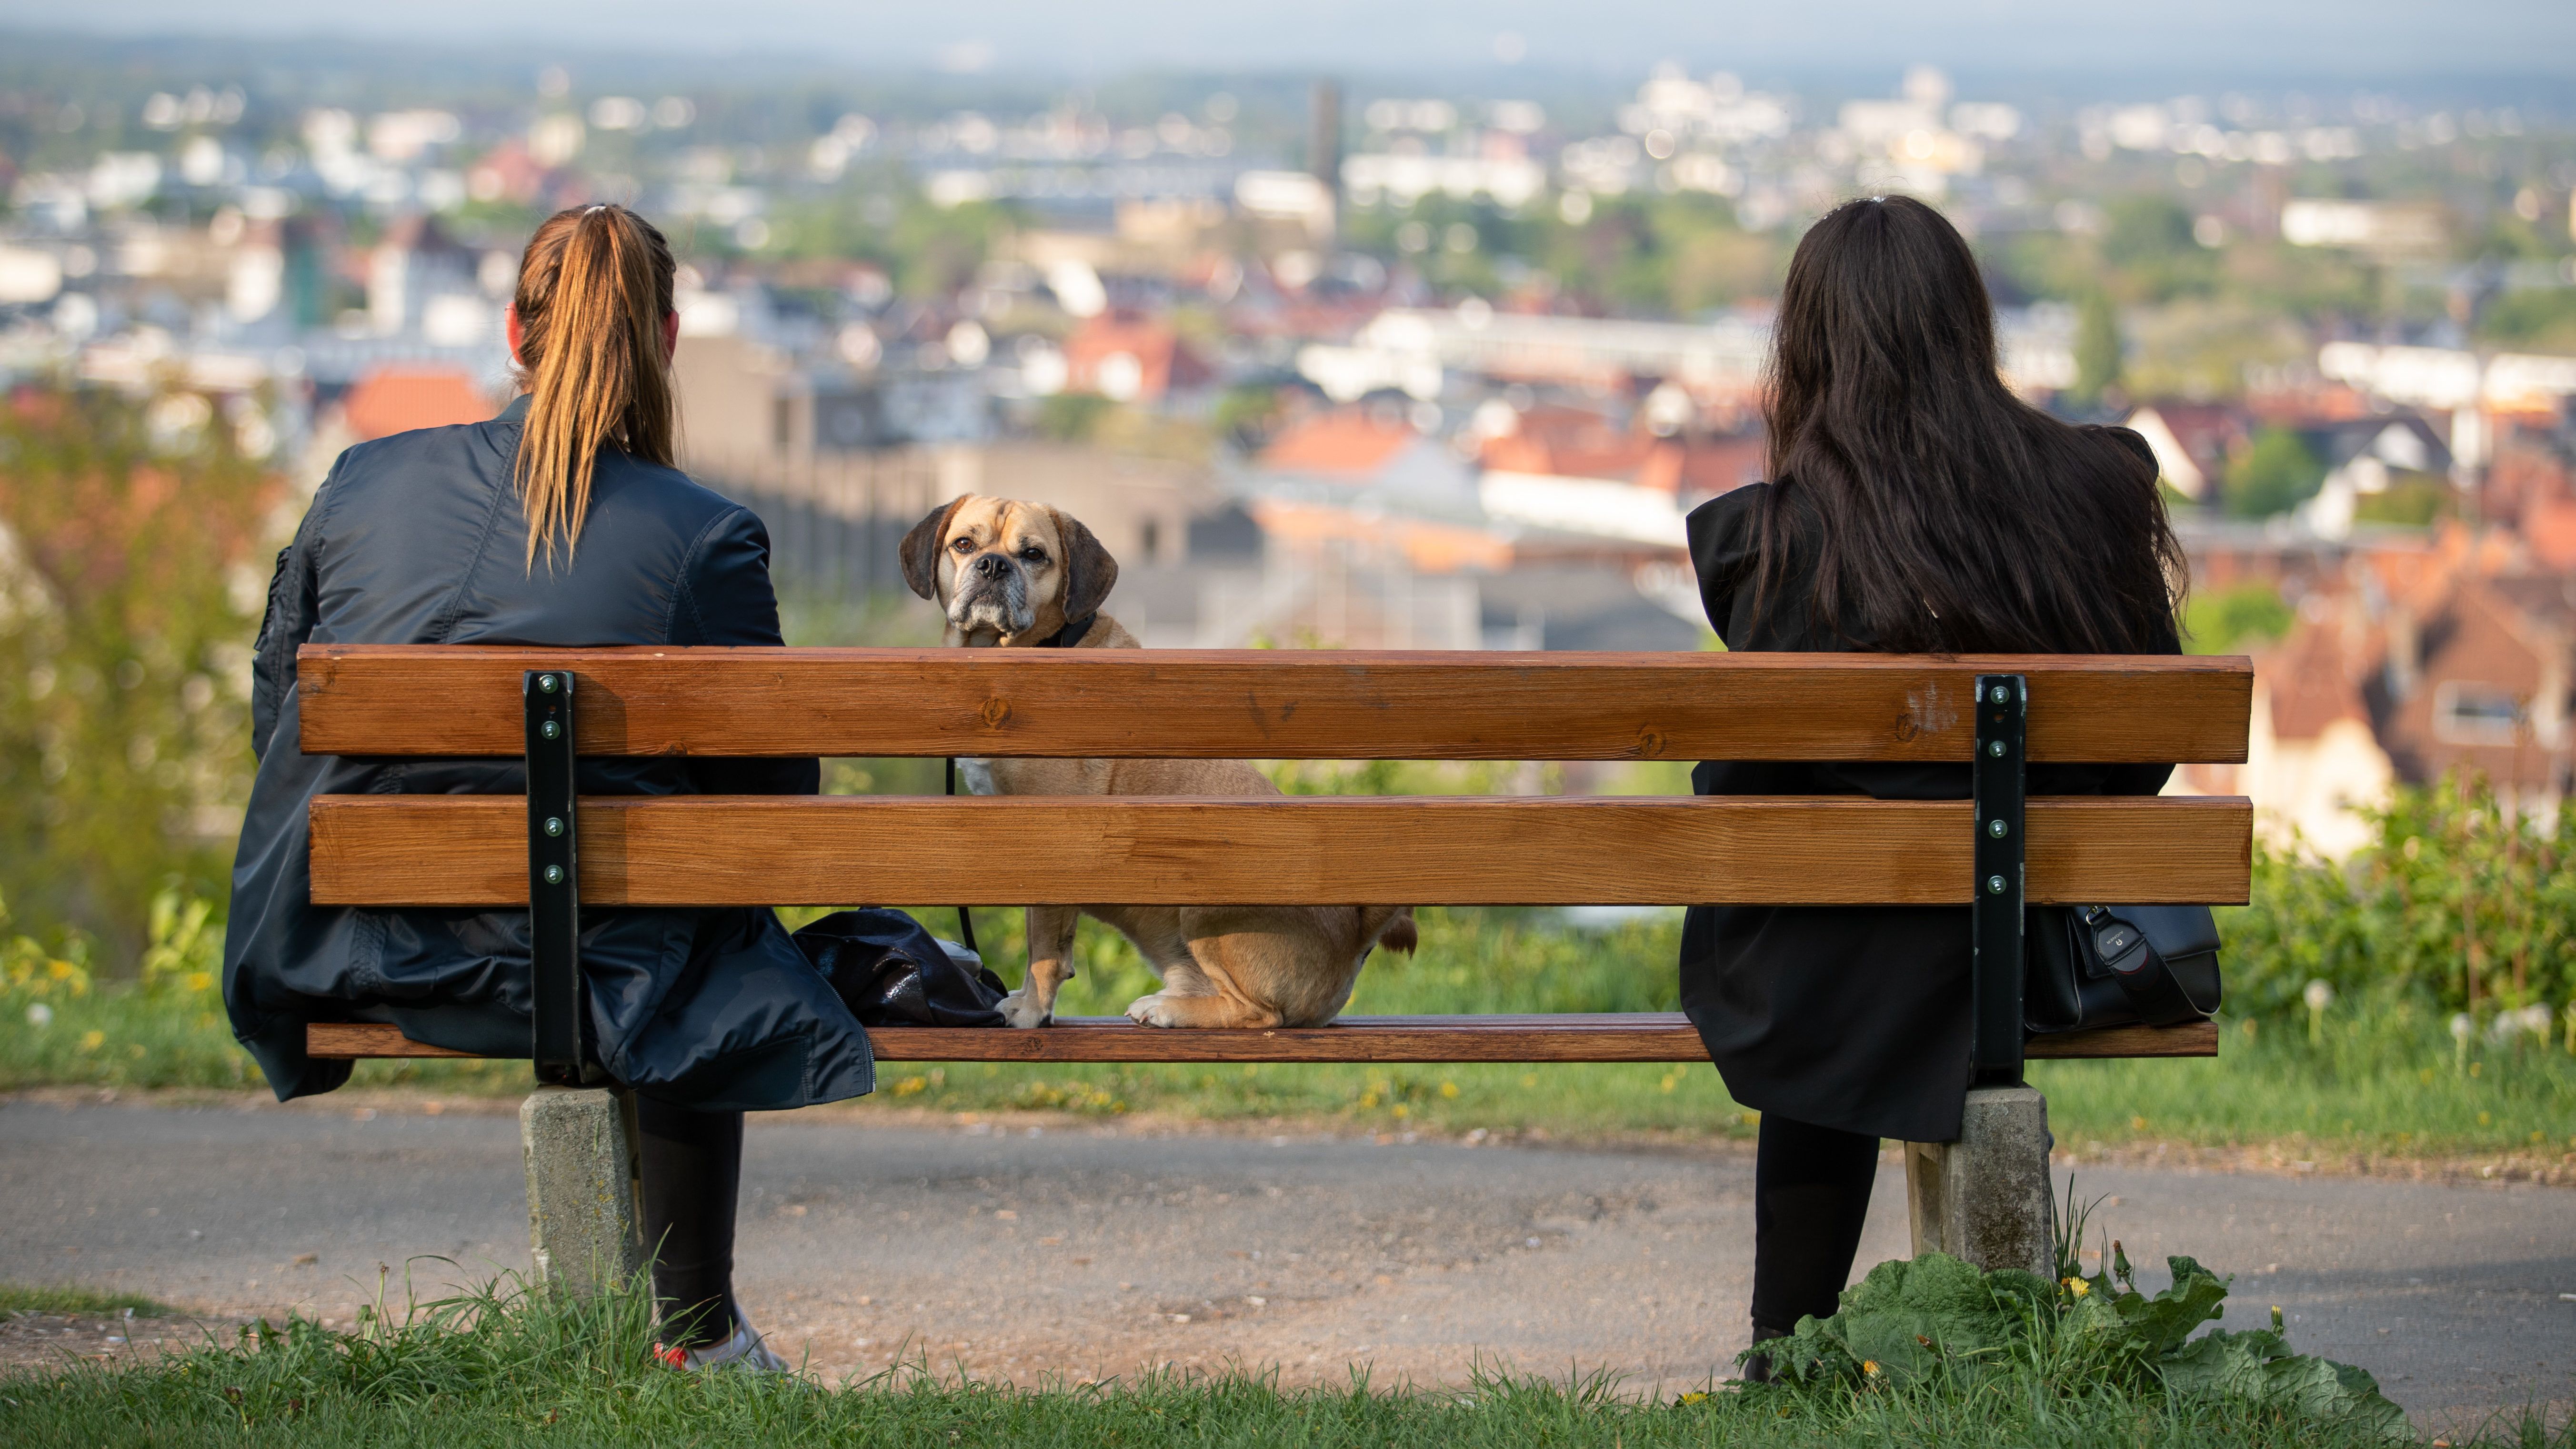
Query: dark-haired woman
[[1915, 505], [560, 522]]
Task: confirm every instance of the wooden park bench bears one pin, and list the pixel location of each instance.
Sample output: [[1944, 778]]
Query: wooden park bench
[[1985, 1197]]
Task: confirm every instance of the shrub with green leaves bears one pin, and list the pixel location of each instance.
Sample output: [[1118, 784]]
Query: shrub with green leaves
[[1935, 1322], [2461, 903]]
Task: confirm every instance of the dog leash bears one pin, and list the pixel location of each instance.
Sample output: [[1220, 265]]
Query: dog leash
[[1074, 631], [965, 922]]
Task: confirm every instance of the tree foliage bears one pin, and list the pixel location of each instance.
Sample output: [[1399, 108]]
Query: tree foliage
[[2277, 472], [129, 590]]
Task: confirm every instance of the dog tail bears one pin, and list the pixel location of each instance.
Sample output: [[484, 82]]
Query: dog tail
[[1400, 934]]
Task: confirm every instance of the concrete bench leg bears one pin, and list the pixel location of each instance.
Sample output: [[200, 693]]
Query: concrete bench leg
[[582, 1223], [1985, 1198]]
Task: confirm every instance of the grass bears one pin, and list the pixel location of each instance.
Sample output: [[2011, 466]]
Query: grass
[[507, 1367], [72, 1302], [2384, 1079]]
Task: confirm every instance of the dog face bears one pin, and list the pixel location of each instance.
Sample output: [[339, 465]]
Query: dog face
[[1004, 571]]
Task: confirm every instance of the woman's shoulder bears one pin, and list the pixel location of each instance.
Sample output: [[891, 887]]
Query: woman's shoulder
[[1723, 527]]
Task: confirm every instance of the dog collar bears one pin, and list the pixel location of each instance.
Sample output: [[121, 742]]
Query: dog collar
[[1071, 634]]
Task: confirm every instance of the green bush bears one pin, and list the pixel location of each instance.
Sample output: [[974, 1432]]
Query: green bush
[[131, 580], [2461, 903], [2277, 472]]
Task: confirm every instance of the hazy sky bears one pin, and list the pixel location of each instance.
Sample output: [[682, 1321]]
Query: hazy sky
[[2224, 38]]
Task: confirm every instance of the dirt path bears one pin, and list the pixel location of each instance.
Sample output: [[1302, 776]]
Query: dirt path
[[1029, 1249]]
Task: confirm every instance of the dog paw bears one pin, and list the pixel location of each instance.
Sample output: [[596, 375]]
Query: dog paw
[[1151, 1011], [1018, 1010]]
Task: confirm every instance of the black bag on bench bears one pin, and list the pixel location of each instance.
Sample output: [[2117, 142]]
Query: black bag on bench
[[891, 972], [2095, 966]]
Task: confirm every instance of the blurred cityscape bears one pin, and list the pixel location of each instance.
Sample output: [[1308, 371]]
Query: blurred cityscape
[[1337, 365]]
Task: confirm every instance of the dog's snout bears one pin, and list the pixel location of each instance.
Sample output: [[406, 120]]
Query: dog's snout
[[991, 566]]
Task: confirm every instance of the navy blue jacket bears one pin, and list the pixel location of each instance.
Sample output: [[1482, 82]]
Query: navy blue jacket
[[420, 538]]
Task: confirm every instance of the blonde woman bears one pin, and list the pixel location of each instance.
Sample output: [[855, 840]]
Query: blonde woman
[[561, 522]]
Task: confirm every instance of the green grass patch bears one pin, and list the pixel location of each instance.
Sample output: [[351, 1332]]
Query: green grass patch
[[507, 1367], [78, 1302]]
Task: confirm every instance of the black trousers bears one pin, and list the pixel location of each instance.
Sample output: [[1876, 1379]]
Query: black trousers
[[1810, 1196], [692, 1179]]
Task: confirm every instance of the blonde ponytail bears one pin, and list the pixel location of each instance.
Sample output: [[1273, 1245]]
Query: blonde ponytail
[[594, 287]]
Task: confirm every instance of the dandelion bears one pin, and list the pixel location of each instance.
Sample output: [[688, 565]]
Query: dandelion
[[1449, 1090], [1686, 1400], [92, 1040], [40, 1016], [1869, 1366], [2079, 1287]]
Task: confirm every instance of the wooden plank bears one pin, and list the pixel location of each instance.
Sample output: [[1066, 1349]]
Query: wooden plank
[[454, 850], [1638, 1037], [1268, 704], [347, 1040]]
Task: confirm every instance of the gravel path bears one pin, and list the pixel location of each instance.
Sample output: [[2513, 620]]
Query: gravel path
[[1025, 1249]]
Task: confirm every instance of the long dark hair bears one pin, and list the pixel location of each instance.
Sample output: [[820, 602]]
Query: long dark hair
[[1949, 516]]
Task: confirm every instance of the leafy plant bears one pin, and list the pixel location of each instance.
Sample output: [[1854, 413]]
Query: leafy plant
[[1935, 1321]]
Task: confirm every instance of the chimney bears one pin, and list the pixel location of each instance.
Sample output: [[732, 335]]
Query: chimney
[[1324, 138], [2405, 661]]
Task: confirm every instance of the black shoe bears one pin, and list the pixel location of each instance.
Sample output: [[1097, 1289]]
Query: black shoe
[[1757, 1369]]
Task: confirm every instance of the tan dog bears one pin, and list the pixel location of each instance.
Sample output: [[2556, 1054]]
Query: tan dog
[[1022, 575]]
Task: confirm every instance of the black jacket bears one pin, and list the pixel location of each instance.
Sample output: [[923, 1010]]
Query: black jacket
[[1849, 1017], [420, 539]]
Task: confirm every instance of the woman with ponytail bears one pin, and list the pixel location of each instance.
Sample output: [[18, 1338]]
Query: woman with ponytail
[[562, 522]]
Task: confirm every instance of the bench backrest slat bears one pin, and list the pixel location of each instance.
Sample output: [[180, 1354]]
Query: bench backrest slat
[[1268, 704], [759, 850]]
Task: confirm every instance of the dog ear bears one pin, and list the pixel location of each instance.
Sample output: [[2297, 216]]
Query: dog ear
[[920, 549], [1089, 572]]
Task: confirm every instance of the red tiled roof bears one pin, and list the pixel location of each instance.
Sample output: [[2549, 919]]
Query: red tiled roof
[[393, 400], [2311, 681], [1349, 443], [1163, 360]]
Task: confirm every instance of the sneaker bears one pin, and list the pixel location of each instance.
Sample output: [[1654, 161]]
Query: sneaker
[[744, 1350]]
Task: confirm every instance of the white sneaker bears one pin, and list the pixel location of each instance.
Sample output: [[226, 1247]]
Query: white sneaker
[[745, 1350]]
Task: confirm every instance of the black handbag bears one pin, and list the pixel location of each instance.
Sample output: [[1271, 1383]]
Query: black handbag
[[2095, 966], [891, 972]]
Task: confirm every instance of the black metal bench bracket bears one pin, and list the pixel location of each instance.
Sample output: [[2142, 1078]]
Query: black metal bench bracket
[[1999, 790], [554, 879]]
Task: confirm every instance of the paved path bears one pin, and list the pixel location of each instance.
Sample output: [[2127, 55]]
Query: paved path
[[1086, 1251]]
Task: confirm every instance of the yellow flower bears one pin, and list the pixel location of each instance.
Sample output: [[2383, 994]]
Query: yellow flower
[[92, 1040], [1869, 1366], [2078, 1287], [1694, 1398], [1449, 1090]]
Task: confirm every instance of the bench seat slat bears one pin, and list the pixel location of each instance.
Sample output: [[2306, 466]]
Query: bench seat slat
[[453, 850], [1634, 1037], [457, 701]]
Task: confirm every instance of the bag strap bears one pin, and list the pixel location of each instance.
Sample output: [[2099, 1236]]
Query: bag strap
[[965, 922], [2123, 949]]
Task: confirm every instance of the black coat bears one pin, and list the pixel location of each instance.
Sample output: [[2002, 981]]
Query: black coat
[[1854, 1017], [420, 539]]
